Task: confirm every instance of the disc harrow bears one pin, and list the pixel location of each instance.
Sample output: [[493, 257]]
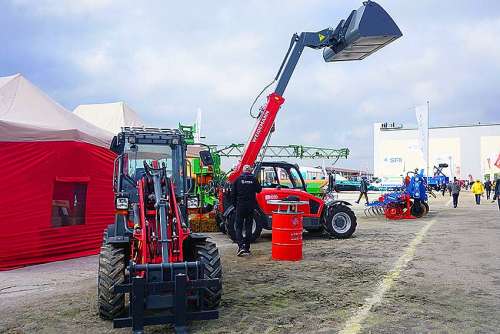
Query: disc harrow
[[408, 203]]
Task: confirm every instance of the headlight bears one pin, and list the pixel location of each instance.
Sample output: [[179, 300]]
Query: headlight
[[121, 203]]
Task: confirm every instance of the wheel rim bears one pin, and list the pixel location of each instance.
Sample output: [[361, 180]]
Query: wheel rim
[[341, 222]]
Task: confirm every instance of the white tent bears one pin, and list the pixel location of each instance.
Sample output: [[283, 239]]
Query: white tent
[[109, 116], [28, 114]]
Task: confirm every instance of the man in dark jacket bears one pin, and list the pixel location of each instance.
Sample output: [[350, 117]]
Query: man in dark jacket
[[487, 187], [363, 190], [243, 193], [496, 194]]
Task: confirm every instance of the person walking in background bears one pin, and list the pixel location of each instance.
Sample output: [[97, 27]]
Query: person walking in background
[[478, 190], [455, 192], [496, 192], [487, 187], [363, 189], [448, 186], [443, 188]]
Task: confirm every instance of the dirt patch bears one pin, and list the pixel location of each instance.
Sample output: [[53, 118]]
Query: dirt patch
[[435, 292]]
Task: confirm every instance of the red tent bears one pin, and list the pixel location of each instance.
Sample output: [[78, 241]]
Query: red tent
[[56, 176]]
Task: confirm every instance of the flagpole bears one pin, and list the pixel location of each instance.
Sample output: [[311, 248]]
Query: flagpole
[[428, 142]]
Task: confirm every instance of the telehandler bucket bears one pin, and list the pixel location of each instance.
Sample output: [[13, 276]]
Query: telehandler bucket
[[366, 30]]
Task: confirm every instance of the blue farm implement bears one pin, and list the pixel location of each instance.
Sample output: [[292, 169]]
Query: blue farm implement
[[409, 203]]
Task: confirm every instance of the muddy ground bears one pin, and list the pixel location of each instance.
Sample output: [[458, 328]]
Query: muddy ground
[[450, 282]]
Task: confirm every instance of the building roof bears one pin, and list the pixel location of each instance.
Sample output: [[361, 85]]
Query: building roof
[[402, 128]]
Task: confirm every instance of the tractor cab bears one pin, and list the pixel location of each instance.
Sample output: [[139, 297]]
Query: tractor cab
[[163, 148], [280, 175], [137, 148], [280, 180]]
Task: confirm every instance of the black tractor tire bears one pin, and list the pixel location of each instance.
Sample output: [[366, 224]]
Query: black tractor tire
[[315, 232], [111, 272], [208, 254], [340, 221], [231, 230], [417, 209]]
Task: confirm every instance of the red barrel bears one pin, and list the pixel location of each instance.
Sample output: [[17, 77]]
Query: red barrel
[[287, 236]]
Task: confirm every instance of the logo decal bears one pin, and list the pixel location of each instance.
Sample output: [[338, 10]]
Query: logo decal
[[260, 126]]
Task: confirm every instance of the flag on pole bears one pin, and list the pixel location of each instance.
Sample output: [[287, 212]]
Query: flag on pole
[[422, 113]]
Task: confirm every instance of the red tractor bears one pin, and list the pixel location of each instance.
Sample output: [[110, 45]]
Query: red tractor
[[170, 274], [281, 180], [365, 31]]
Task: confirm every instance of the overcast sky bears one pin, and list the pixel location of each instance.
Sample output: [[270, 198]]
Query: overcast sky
[[166, 59]]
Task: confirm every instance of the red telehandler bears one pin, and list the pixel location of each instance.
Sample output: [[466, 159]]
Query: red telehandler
[[365, 31], [171, 275]]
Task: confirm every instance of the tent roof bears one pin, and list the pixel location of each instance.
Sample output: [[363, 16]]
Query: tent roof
[[28, 114], [109, 116]]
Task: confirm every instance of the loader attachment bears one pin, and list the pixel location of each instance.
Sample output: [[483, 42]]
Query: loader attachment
[[366, 30], [165, 293]]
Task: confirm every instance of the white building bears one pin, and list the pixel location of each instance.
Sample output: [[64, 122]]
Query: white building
[[471, 151]]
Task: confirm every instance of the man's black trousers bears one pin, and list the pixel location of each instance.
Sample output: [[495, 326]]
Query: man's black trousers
[[361, 194], [455, 200], [244, 222]]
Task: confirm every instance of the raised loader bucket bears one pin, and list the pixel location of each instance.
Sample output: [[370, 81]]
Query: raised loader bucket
[[365, 31]]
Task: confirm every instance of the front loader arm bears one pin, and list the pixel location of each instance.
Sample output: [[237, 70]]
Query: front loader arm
[[365, 31], [265, 121]]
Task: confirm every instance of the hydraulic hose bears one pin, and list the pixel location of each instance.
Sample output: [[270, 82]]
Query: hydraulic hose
[[276, 77]]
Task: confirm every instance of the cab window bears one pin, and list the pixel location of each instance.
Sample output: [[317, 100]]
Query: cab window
[[268, 177]]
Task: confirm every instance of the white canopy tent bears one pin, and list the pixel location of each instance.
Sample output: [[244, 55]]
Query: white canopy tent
[[28, 114], [109, 116]]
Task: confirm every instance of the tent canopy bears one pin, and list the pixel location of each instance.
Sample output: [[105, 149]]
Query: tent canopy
[[28, 114], [109, 116]]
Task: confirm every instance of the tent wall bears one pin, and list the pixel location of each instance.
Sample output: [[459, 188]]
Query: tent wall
[[41, 181]]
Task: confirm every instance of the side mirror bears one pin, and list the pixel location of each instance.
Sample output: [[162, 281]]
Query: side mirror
[[206, 158]]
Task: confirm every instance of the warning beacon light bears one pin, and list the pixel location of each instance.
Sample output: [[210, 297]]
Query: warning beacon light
[[366, 30]]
